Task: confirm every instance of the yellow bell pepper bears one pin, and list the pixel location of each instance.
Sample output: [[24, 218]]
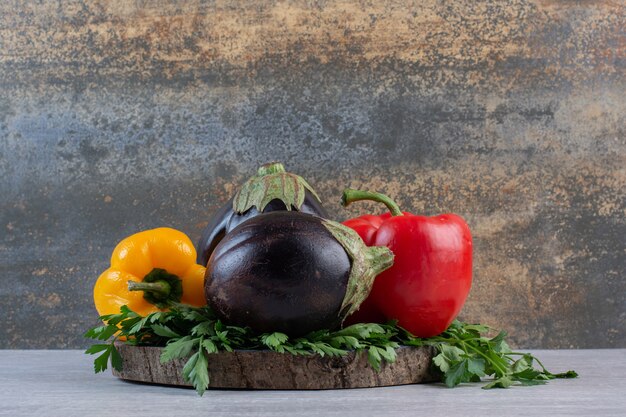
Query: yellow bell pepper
[[149, 270]]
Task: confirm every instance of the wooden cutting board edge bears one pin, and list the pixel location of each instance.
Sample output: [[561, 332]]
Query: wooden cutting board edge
[[265, 369]]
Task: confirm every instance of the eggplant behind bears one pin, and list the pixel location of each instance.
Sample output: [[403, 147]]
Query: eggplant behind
[[226, 219], [271, 189]]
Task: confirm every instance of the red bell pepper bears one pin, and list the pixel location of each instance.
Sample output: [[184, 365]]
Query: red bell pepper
[[432, 272]]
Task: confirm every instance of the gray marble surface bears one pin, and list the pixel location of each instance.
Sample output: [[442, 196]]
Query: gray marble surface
[[120, 116], [61, 383]]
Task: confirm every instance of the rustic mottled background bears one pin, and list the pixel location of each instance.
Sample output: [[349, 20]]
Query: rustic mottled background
[[117, 116]]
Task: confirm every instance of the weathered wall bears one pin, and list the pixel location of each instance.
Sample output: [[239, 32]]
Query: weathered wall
[[117, 117]]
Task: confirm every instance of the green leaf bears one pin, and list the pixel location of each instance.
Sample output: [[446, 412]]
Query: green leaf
[[116, 359], [448, 356], [457, 373], [155, 317], [101, 362], [274, 340], [498, 343], [209, 346], [417, 342], [164, 331], [529, 382], [388, 354], [522, 364], [196, 371], [142, 324], [503, 382], [374, 358], [113, 319], [350, 342], [125, 310], [189, 365], [478, 328], [180, 348], [236, 329], [476, 366], [138, 326], [498, 364], [313, 347], [97, 348], [206, 328], [454, 326], [130, 323], [330, 350], [568, 374], [498, 338], [107, 317], [297, 350], [101, 332], [360, 331], [474, 378]]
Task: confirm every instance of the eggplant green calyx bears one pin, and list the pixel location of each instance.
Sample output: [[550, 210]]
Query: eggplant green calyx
[[159, 288], [272, 182], [367, 263]]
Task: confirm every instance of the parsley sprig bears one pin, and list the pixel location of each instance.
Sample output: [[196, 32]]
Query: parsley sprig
[[465, 354]]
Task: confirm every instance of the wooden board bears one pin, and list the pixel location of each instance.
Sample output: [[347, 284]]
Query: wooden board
[[264, 369]]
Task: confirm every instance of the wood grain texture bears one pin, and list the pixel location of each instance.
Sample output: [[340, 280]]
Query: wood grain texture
[[272, 370], [119, 116]]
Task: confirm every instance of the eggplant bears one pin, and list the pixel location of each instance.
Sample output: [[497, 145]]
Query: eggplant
[[291, 272], [271, 189]]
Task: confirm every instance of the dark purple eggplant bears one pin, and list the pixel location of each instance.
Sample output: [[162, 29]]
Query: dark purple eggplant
[[271, 189], [291, 272]]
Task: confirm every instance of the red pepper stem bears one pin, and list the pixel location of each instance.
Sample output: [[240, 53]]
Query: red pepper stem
[[351, 195]]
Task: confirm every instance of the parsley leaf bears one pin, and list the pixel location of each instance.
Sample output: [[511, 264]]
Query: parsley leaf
[[274, 340], [108, 351], [196, 371], [179, 348], [164, 331], [116, 359]]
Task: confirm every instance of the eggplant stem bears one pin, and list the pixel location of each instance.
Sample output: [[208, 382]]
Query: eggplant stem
[[270, 168]]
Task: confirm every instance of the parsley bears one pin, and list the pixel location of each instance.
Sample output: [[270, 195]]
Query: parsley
[[464, 353]]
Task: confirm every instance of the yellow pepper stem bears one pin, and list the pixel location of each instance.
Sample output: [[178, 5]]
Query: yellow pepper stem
[[159, 288]]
